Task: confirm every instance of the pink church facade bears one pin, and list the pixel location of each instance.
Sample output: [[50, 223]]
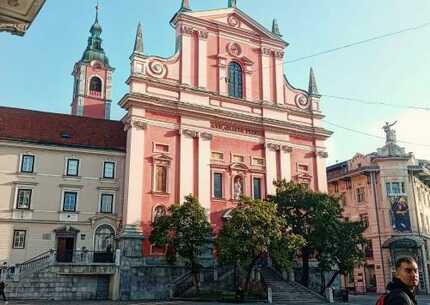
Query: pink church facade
[[217, 120]]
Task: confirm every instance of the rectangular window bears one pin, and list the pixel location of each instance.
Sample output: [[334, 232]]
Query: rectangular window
[[395, 187], [23, 199], [258, 161], [109, 170], [369, 249], [336, 187], [161, 179], [69, 203], [72, 167], [18, 239], [238, 158], [256, 183], [303, 168], [360, 194], [217, 185], [27, 164], [106, 204], [161, 148], [217, 156], [365, 219]]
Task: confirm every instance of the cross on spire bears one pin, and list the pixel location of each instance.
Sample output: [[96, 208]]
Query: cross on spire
[[97, 11]]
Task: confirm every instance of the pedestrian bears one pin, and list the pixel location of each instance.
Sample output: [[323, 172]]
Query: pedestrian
[[403, 288], [2, 287]]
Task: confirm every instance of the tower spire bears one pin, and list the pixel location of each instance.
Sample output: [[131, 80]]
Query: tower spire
[[275, 28], [97, 12], [138, 43], [232, 3], [313, 89]]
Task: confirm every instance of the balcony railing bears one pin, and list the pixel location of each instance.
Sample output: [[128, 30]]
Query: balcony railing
[[85, 257]]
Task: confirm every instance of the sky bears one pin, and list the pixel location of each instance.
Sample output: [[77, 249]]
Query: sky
[[35, 70]]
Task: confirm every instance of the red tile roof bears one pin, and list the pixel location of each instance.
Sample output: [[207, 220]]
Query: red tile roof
[[61, 129]]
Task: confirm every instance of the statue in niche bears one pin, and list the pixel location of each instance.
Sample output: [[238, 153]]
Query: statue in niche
[[237, 188], [390, 133]]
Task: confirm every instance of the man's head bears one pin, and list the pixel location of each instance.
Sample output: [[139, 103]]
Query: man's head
[[407, 271]]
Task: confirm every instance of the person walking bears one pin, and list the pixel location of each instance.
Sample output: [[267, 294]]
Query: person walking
[[403, 288], [2, 287]]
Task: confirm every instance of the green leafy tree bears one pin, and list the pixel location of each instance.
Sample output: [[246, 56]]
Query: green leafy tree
[[254, 229], [344, 251], [185, 230], [309, 214]]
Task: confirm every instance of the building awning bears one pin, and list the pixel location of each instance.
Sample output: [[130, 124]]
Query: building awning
[[403, 242]]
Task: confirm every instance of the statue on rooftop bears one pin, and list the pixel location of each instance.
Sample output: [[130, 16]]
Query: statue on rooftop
[[389, 132]]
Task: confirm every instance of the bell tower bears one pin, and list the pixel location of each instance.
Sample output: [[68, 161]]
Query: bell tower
[[92, 90]]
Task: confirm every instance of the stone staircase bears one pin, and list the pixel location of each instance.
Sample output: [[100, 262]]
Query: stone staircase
[[289, 292]]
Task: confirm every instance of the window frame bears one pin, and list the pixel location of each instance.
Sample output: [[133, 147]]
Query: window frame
[[361, 196], [222, 185], [233, 88], [19, 189], [113, 169], [90, 91], [15, 231], [112, 195], [77, 167], [64, 201], [21, 168], [253, 187]]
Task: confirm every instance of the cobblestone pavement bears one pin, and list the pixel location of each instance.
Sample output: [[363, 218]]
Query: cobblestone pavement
[[354, 300]]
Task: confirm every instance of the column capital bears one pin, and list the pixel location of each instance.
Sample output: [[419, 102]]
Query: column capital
[[287, 148], [206, 136], [190, 133], [273, 146], [322, 154], [134, 122]]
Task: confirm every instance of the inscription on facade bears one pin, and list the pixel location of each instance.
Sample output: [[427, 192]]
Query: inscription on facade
[[235, 128]]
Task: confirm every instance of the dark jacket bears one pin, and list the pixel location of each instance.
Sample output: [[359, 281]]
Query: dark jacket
[[2, 286], [400, 294]]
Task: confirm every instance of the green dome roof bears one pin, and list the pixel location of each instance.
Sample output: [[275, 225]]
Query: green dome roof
[[94, 50]]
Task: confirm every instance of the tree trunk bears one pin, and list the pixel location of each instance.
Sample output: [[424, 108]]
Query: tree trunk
[[195, 274], [248, 273], [333, 277], [305, 274], [322, 286]]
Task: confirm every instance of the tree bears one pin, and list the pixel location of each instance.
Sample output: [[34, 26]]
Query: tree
[[185, 230], [309, 214], [344, 251], [254, 229]]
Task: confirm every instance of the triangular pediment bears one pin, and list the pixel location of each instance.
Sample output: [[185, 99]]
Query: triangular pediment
[[235, 18]]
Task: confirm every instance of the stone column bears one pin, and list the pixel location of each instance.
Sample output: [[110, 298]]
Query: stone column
[[222, 80], [286, 162], [271, 167], [186, 40], [265, 70], [279, 76], [248, 82], [203, 58], [204, 179], [131, 235], [187, 164], [321, 171]]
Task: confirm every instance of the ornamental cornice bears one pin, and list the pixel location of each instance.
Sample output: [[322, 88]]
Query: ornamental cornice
[[203, 34], [186, 29], [293, 128], [167, 84]]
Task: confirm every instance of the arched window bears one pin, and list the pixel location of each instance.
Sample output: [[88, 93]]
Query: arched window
[[103, 239], [235, 80], [96, 85]]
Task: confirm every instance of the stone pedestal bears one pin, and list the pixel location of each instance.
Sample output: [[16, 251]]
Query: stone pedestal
[[130, 241]]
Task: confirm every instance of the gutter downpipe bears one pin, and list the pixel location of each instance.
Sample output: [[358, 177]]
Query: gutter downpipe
[[373, 181]]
